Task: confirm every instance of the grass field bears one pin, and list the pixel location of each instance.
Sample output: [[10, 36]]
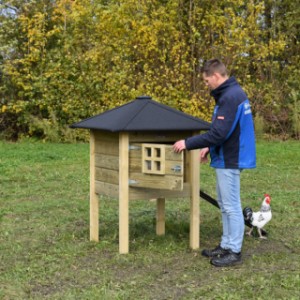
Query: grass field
[[45, 251]]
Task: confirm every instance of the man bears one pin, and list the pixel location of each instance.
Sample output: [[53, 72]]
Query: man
[[231, 145]]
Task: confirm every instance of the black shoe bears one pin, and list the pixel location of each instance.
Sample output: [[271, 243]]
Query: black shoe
[[218, 251], [229, 259]]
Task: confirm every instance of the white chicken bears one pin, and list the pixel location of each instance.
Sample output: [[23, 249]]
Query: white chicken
[[261, 218]]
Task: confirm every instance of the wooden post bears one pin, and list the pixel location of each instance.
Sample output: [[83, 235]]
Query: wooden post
[[194, 201], [160, 216], [94, 203], [123, 193]]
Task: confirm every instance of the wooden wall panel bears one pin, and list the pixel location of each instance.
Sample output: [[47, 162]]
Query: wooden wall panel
[[105, 175], [107, 189], [105, 161], [146, 194], [158, 137]]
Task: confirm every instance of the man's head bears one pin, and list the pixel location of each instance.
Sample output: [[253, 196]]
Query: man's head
[[214, 73]]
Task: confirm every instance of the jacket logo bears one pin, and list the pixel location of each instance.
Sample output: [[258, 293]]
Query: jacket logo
[[247, 106], [220, 117]]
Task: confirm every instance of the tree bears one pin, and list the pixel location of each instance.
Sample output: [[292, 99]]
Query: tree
[[63, 60]]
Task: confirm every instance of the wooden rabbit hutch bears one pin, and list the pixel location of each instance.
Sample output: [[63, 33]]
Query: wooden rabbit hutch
[[131, 158]]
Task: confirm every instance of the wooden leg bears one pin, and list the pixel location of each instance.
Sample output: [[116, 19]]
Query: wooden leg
[[94, 203], [160, 216], [94, 218], [194, 201], [123, 193], [123, 225]]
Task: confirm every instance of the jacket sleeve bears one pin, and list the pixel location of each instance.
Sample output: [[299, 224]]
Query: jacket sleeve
[[221, 127]]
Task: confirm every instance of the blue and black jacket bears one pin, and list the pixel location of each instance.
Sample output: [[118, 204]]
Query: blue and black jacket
[[231, 138]]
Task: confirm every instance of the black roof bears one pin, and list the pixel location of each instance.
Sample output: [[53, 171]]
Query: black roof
[[143, 114]]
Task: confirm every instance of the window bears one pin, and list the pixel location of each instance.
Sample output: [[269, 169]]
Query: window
[[153, 159]]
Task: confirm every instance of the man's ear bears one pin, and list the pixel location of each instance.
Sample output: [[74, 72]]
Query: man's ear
[[217, 75]]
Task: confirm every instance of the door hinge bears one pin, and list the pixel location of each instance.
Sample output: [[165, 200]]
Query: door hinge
[[132, 182], [133, 147], [176, 169]]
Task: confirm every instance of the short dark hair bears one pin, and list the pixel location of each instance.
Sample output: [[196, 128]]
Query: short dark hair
[[214, 66]]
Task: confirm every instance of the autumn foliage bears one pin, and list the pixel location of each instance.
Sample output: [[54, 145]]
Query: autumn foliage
[[62, 61]]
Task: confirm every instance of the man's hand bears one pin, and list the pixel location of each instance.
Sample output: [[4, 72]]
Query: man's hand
[[203, 155], [179, 146]]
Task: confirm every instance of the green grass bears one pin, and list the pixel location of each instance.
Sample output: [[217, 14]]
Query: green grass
[[45, 252]]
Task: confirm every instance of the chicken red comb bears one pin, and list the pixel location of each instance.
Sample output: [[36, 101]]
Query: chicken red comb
[[268, 200]]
